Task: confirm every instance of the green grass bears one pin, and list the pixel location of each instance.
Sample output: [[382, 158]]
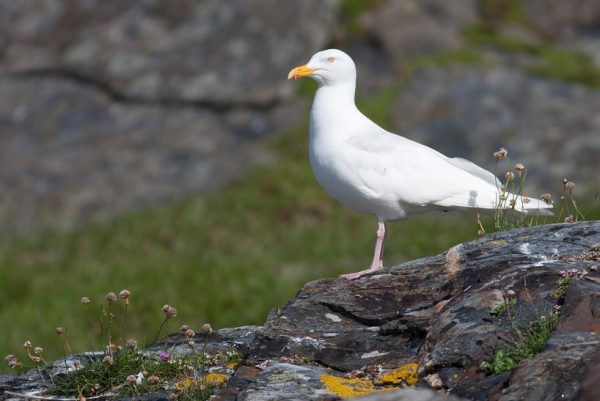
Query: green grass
[[567, 65], [100, 377]]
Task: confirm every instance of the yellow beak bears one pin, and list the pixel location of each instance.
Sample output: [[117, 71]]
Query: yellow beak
[[301, 71]]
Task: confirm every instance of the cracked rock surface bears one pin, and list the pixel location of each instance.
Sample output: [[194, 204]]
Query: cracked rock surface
[[427, 323], [110, 106]]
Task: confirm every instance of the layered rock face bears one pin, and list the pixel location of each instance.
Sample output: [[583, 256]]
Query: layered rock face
[[109, 106], [429, 324]]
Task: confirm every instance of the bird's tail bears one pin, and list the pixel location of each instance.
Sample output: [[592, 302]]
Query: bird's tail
[[525, 205]]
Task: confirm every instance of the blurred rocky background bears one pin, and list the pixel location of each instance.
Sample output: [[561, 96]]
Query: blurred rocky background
[[108, 107], [156, 145]]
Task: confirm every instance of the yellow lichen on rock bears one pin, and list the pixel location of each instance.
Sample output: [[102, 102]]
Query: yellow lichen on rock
[[211, 379], [185, 383], [216, 379], [406, 373], [346, 388]]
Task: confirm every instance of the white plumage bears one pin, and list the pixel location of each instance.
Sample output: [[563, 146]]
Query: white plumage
[[374, 171]]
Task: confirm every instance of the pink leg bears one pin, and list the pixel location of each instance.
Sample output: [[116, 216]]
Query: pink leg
[[377, 263]]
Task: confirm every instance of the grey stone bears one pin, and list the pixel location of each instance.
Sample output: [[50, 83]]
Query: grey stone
[[551, 127], [409, 395], [109, 106], [416, 28], [284, 381], [69, 154], [575, 25], [557, 372], [211, 51]]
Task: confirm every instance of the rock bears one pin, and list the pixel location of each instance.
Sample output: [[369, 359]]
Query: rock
[[70, 154], [550, 127], [109, 107], [573, 24], [236, 52], [428, 323], [557, 372], [415, 28], [564, 20], [409, 395]]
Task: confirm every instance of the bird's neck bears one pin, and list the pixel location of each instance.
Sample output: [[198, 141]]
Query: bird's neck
[[331, 107]]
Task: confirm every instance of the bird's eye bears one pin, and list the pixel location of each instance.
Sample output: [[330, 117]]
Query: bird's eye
[[330, 59]]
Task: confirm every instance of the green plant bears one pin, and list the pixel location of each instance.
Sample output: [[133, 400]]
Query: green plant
[[563, 285], [529, 341], [502, 308], [122, 369]]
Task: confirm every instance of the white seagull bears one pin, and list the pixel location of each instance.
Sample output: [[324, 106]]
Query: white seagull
[[375, 171]]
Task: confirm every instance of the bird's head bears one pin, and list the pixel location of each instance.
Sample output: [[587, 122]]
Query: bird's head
[[327, 67]]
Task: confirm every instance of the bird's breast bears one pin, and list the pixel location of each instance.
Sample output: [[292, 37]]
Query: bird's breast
[[331, 168]]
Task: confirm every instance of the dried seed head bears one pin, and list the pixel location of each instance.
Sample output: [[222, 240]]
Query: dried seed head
[[510, 294], [519, 167], [108, 360], [85, 300], [110, 298], [569, 186], [191, 343], [27, 344], [153, 380], [60, 331], [569, 219], [173, 397], [184, 328], [190, 333], [131, 344], [547, 198], [207, 328], [124, 294], [35, 359], [38, 351], [12, 361], [501, 154], [77, 364], [509, 176], [565, 181], [169, 311], [131, 379], [512, 203]]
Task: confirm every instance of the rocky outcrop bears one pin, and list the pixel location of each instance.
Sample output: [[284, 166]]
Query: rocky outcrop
[[575, 24], [513, 110], [98, 96], [429, 324], [410, 28], [110, 106], [209, 51]]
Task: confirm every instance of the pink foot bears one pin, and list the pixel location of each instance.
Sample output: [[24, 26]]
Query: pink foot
[[352, 276]]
